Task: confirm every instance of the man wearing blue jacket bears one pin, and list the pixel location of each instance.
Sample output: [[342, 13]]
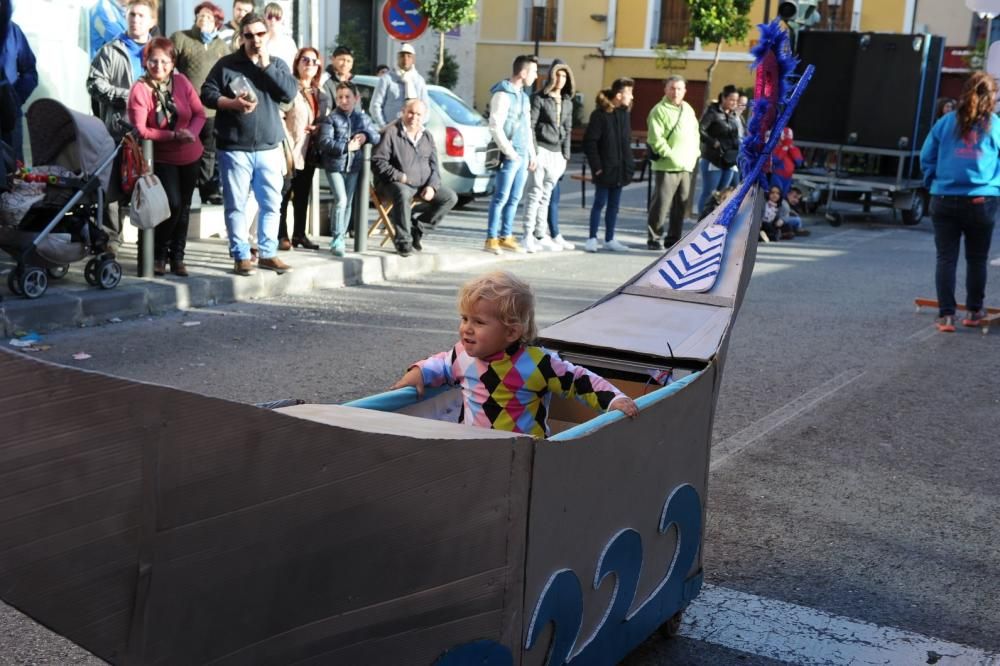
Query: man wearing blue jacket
[[246, 88], [510, 127], [18, 77]]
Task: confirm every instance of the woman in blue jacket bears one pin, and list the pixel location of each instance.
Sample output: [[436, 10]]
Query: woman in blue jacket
[[340, 137], [961, 164]]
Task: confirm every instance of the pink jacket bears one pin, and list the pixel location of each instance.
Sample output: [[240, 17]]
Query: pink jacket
[[190, 116]]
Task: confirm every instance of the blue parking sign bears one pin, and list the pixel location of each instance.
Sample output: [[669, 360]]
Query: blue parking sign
[[403, 19]]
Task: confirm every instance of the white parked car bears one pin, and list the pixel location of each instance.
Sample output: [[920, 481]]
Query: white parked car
[[461, 135]]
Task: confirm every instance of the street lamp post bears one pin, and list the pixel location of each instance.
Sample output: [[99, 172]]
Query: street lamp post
[[538, 6]]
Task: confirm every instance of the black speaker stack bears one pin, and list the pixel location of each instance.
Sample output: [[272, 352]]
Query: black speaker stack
[[870, 90]]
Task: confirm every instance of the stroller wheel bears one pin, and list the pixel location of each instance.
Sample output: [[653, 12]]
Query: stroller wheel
[[14, 282], [109, 274], [57, 272], [90, 272], [33, 282]]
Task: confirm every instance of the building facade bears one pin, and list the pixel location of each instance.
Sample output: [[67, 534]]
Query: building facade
[[645, 40]]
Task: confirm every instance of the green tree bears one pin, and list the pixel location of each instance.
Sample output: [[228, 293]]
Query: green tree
[[716, 22], [445, 15], [447, 74]]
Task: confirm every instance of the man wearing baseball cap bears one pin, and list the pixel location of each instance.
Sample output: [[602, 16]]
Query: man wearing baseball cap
[[399, 85]]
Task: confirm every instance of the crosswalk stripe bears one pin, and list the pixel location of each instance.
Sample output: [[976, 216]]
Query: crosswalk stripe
[[799, 635]]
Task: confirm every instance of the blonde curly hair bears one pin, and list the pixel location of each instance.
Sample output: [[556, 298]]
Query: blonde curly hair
[[512, 297]]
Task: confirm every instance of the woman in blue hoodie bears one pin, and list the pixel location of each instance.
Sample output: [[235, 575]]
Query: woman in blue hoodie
[[961, 164]]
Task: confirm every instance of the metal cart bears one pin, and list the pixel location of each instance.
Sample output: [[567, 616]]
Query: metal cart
[[902, 191]]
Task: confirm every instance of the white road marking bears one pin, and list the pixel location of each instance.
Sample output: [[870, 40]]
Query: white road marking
[[729, 447], [799, 635]]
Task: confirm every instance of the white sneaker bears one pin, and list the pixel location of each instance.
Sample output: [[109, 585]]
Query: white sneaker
[[590, 245], [562, 242], [995, 262], [616, 245], [530, 244], [548, 244]]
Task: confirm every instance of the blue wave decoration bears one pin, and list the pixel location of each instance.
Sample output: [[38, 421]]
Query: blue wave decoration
[[560, 602]]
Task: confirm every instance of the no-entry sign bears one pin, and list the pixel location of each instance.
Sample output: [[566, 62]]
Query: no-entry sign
[[403, 19]]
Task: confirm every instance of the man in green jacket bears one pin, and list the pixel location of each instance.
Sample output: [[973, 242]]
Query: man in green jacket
[[673, 139]]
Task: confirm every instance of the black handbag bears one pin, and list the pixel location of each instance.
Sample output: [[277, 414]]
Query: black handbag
[[494, 156]]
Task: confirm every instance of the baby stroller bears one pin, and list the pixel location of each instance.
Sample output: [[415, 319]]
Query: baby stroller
[[53, 216]]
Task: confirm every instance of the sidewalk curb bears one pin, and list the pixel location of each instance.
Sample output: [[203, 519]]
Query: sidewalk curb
[[67, 307]]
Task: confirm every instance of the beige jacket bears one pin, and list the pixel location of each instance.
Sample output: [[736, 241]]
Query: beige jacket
[[297, 118]]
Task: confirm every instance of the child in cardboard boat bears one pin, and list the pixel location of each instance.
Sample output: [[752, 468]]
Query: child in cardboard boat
[[507, 383]]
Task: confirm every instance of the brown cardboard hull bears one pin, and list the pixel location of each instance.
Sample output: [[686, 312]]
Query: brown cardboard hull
[[155, 526]]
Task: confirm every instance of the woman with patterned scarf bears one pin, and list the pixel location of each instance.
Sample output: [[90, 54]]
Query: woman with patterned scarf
[[164, 107]]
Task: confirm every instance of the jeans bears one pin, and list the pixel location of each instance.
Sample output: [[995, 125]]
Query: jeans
[[713, 179], [342, 187], [299, 194], [671, 190], [954, 217], [609, 196], [507, 193], [240, 171], [550, 167], [553, 211]]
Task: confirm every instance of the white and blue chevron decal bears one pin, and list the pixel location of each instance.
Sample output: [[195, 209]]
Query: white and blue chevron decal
[[696, 266]]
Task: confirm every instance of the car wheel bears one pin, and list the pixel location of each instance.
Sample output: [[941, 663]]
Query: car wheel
[[464, 200]]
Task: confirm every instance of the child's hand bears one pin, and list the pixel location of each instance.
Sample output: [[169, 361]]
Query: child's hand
[[414, 378], [625, 405]]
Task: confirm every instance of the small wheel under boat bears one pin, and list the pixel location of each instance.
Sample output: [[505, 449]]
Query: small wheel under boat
[[57, 272], [90, 272], [109, 274], [33, 282], [14, 281], [672, 627]]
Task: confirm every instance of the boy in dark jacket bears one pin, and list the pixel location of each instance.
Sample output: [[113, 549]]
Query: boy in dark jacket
[[552, 123], [246, 88], [339, 137], [608, 146]]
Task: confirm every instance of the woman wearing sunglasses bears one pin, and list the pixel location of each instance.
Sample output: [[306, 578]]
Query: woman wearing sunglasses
[[164, 107], [309, 105]]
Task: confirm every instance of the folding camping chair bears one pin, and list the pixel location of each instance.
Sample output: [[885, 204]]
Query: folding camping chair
[[382, 210]]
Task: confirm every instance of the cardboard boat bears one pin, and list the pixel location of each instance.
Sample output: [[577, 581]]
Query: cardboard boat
[[152, 525]]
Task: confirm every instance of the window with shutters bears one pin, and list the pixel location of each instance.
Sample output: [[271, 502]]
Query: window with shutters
[[540, 23], [673, 21]]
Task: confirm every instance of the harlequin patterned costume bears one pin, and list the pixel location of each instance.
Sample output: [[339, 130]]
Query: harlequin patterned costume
[[511, 390]]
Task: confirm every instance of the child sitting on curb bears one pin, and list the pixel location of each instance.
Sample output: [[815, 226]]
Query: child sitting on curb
[[507, 383]]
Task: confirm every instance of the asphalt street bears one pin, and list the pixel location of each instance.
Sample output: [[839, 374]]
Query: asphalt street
[[855, 450]]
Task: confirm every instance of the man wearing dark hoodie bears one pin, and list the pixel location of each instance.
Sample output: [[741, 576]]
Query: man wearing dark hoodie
[[510, 127], [608, 146], [552, 124], [18, 77]]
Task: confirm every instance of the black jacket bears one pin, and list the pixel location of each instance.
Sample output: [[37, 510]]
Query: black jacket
[[553, 132], [395, 155], [334, 131], [608, 145], [720, 136], [261, 129]]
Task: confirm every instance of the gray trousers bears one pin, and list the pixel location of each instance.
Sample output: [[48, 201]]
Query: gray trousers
[[671, 190]]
